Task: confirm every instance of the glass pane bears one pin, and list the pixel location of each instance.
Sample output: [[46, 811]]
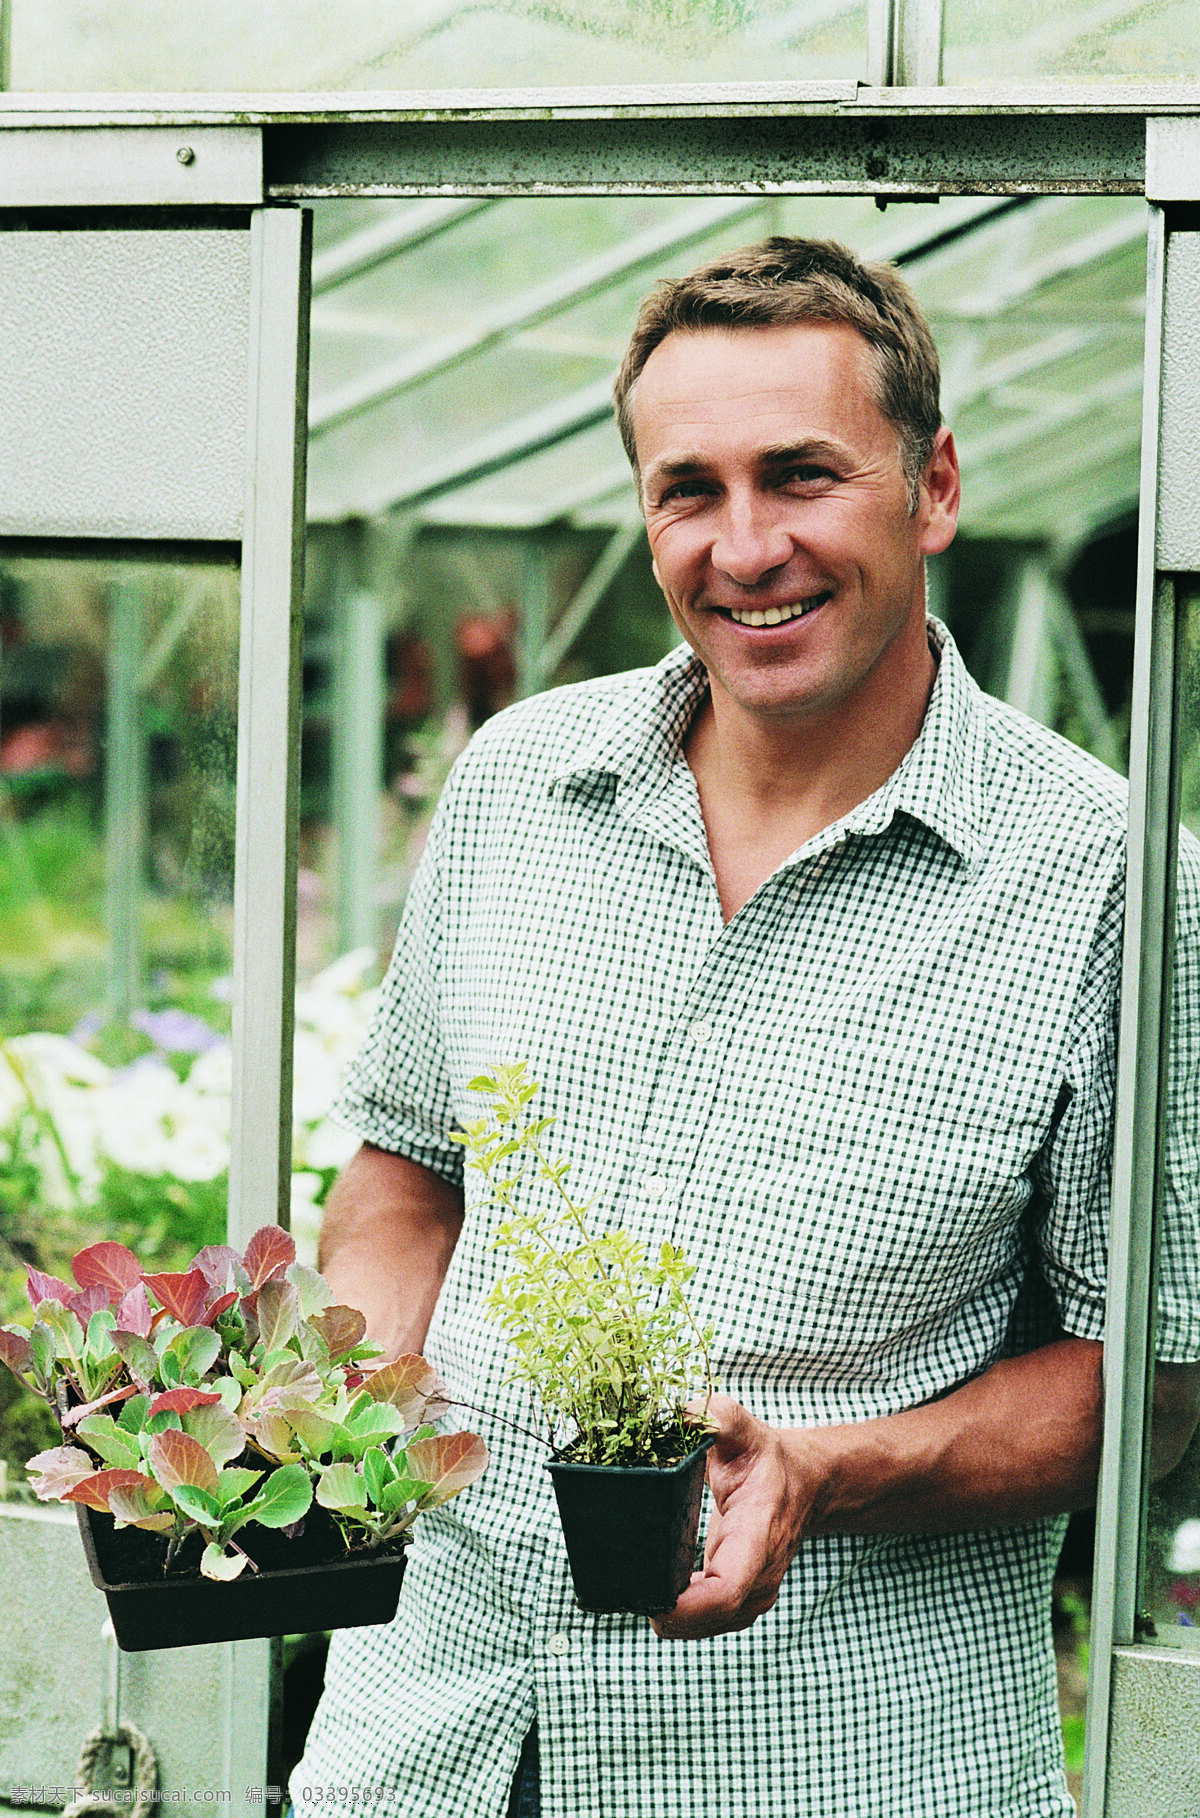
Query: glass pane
[[117, 801], [1171, 1588], [1079, 41], [126, 45]]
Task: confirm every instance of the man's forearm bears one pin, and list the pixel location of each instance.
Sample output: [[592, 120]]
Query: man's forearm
[[1018, 1442], [387, 1236]]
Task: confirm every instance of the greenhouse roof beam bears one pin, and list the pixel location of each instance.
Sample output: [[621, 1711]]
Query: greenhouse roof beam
[[584, 602], [398, 232], [528, 310], [830, 149], [512, 441]]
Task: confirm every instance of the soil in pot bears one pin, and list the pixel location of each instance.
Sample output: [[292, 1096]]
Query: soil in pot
[[305, 1582], [630, 1531]]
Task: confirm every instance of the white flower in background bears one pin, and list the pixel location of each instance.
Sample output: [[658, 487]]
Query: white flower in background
[[212, 1075], [1185, 1549], [148, 1121], [325, 1145], [55, 1081], [151, 1123]]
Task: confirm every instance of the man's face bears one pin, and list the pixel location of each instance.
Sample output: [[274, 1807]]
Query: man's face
[[778, 517]]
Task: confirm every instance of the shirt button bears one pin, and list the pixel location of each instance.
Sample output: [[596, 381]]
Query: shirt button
[[701, 1032], [559, 1644], [655, 1185]]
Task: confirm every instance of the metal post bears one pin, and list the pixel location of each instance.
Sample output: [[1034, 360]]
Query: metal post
[[268, 766], [1026, 684], [124, 797], [904, 43], [1141, 1056], [581, 607], [535, 617], [357, 763]]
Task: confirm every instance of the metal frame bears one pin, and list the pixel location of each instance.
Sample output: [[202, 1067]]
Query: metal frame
[[264, 950], [750, 138]]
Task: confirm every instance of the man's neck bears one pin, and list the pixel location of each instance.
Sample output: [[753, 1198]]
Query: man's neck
[[767, 786]]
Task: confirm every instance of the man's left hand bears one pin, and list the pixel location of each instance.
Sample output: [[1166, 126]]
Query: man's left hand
[[762, 1495]]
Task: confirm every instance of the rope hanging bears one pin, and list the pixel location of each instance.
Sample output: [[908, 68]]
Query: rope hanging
[[143, 1784]]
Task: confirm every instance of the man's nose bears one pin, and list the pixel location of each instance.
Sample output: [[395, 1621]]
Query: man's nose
[[750, 542]]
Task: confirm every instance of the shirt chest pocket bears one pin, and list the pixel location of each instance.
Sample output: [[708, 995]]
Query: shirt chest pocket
[[876, 1173]]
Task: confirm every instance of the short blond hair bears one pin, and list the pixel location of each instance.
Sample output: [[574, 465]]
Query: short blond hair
[[781, 281]]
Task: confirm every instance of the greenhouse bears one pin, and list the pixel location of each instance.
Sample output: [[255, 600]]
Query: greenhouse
[[309, 468]]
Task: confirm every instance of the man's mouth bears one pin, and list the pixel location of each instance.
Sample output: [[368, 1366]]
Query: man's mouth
[[777, 615]]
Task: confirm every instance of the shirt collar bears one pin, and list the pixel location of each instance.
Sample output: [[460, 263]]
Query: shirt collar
[[939, 781]]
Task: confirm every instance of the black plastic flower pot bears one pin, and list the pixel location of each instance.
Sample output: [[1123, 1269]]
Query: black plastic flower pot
[[153, 1608], [630, 1531]]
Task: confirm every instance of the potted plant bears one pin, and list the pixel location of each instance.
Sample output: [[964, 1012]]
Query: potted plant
[[607, 1343], [239, 1462]]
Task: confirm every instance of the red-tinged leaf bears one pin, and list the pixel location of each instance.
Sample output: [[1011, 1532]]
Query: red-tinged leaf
[[214, 1310], [221, 1267], [15, 1350], [176, 1458], [182, 1296], [95, 1490], [411, 1385], [182, 1401], [55, 1472], [449, 1461], [41, 1287], [219, 1432], [341, 1328], [89, 1300], [73, 1416], [134, 1313], [278, 1313], [269, 1254], [110, 1266], [132, 1505]]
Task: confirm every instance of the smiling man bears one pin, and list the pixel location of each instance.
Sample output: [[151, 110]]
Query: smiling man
[[814, 950]]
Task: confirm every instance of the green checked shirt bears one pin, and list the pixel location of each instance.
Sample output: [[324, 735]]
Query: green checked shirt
[[876, 1109]]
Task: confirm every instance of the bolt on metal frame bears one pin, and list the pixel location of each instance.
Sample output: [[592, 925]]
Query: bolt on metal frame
[[850, 141]]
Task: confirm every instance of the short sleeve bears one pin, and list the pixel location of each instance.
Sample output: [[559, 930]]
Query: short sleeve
[[1073, 1171], [1177, 1335], [396, 1093]]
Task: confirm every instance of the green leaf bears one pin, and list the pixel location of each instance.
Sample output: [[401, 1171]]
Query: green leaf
[[133, 1413], [196, 1348], [215, 1562], [314, 1291], [483, 1082], [342, 1489], [403, 1491], [199, 1505], [377, 1469], [285, 1496], [114, 1445], [235, 1482]]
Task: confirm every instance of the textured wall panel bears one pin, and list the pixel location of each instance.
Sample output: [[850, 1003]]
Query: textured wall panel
[[123, 383], [1179, 434], [52, 1670], [1154, 1759]]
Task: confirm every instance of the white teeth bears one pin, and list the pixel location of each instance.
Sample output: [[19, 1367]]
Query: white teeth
[[774, 615]]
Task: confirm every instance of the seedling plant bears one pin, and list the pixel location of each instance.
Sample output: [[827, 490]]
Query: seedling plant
[[231, 1393], [603, 1335]]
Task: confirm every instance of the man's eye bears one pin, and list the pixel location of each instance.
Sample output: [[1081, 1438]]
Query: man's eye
[[808, 474], [683, 489]]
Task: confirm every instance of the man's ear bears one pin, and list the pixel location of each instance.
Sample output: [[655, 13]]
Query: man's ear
[[941, 491], [655, 573]]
